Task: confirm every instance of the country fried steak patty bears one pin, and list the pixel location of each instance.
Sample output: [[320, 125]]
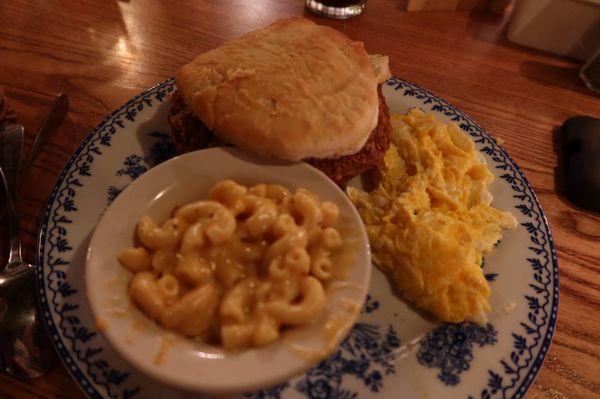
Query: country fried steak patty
[[190, 134]]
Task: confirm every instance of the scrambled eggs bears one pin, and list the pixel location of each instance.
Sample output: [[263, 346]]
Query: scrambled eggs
[[429, 219]]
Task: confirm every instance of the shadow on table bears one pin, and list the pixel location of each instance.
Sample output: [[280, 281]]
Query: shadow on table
[[491, 28], [566, 77]]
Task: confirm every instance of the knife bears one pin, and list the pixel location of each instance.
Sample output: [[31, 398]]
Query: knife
[[56, 116], [11, 153]]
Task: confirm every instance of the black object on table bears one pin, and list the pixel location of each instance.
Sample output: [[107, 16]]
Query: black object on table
[[581, 161]]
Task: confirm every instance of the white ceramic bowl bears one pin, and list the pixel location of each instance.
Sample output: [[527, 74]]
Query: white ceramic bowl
[[182, 362]]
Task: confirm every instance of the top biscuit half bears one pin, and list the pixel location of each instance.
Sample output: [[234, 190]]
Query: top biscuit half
[[292, 90]]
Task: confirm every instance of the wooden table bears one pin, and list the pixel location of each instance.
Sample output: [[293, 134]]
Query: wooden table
[[101, 53]]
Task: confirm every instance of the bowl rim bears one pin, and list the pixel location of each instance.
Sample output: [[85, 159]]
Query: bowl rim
[[224, 386]]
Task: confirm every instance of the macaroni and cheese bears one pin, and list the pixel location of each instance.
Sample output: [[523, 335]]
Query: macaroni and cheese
[[239, 267]]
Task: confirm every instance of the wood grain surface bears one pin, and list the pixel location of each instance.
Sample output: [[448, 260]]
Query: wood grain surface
[[101, 53]]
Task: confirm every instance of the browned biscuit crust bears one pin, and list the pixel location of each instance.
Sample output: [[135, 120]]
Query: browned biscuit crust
[[190, 134], [291, 90], [344, 168]]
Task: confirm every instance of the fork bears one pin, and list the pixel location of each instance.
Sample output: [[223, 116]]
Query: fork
[[25, 350]]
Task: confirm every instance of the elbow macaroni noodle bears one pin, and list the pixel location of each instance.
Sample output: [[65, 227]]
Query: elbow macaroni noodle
[[239, 267]]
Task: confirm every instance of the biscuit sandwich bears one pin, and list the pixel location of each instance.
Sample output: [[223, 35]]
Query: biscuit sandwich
[[294, 90]]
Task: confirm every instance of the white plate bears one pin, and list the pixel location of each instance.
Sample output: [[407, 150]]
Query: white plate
[[182, 362], [393, 349]]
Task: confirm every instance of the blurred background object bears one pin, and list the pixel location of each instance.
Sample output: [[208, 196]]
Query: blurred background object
[[565, 27], [496, 6], [590, 73], [338, 9], [569, 28]]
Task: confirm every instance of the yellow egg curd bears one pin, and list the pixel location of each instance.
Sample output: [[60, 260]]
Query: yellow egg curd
[[430, 219]]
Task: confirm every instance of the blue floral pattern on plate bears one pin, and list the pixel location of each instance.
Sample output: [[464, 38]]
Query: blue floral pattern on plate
[[376, 357], [543, 301], [450, 348], [365, 355]]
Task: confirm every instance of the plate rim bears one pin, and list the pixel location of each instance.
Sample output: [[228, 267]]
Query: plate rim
[[64, 352], [535, 365], [65, 355]]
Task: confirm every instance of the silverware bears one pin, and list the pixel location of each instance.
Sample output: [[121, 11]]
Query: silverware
[[25, 350], [11, 154], [57, 114]]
